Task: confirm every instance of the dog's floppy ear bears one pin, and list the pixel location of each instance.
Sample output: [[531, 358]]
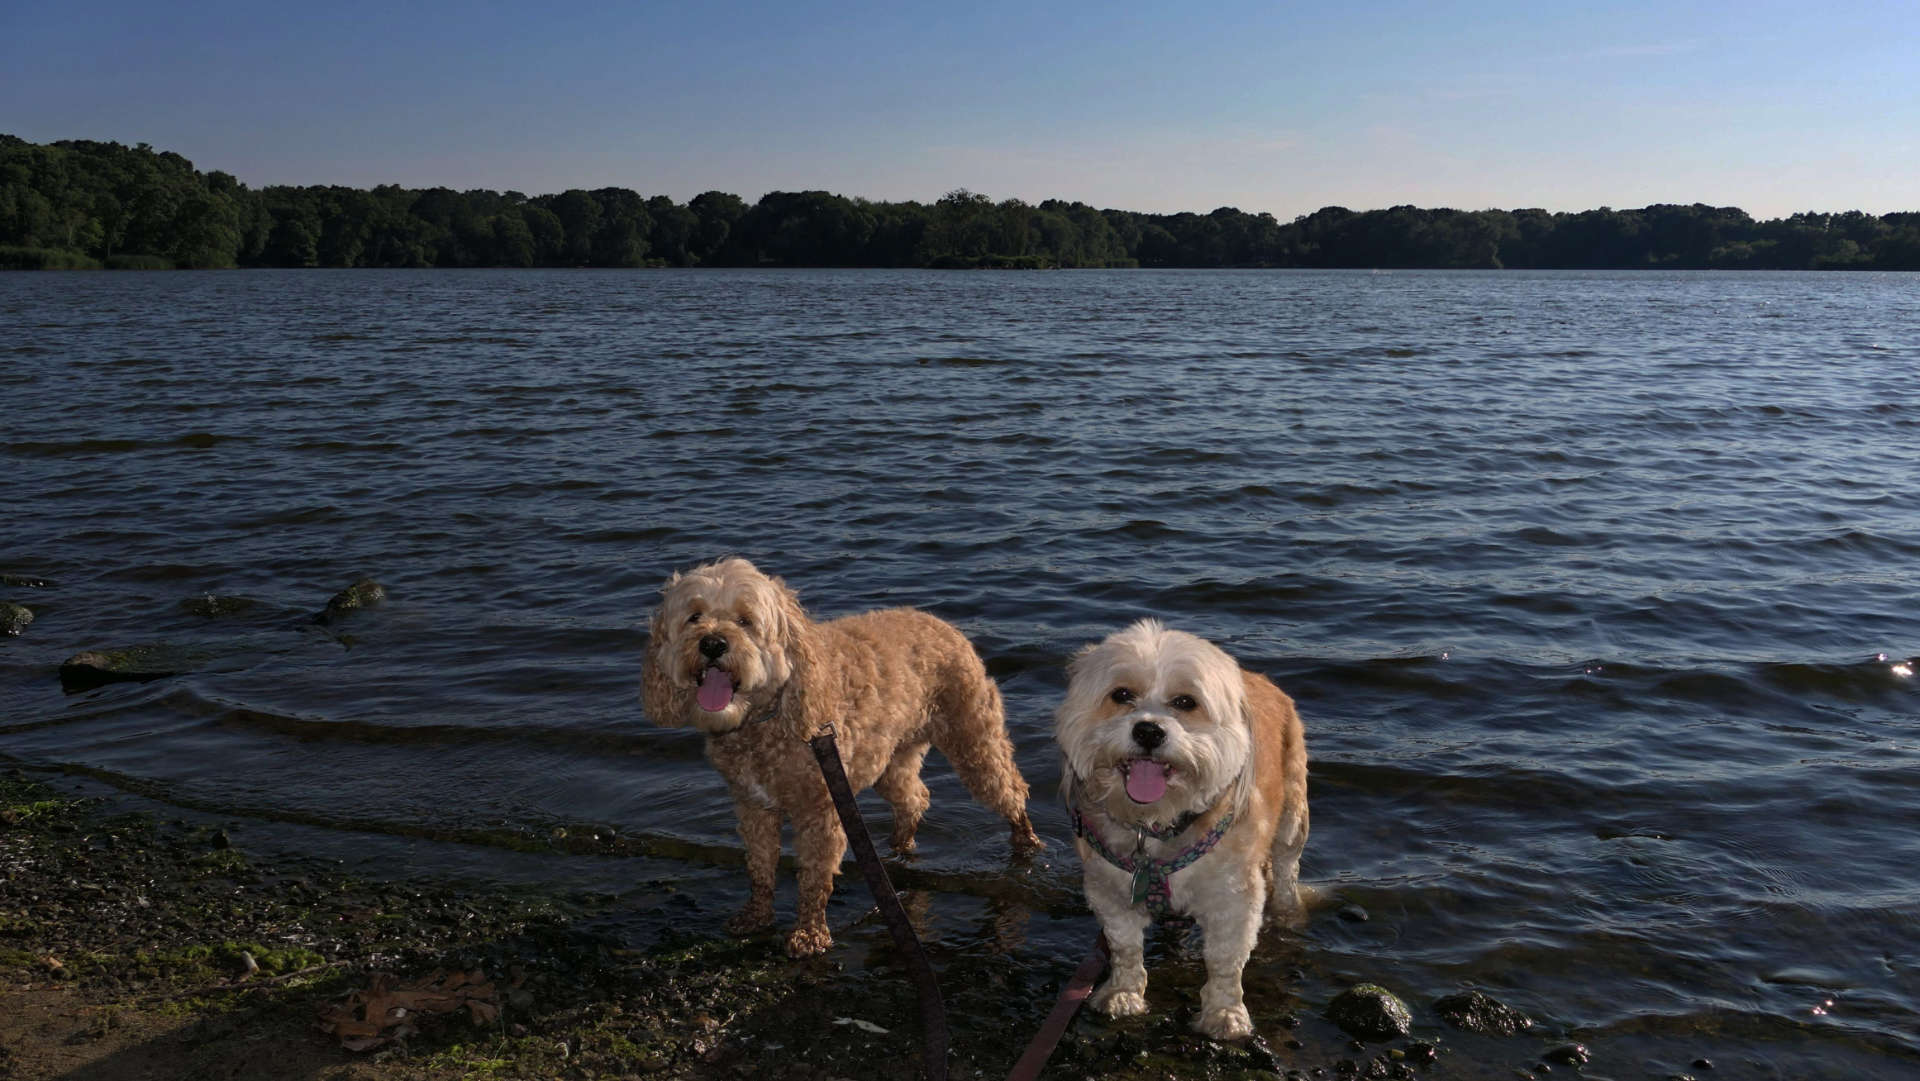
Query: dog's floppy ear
[[656, 688], [811, 699]]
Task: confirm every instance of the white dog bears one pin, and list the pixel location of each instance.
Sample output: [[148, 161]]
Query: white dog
[[1186, 778]]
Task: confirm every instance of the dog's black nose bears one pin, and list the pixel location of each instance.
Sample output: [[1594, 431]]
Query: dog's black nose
[[1149, 735], [712, 646]]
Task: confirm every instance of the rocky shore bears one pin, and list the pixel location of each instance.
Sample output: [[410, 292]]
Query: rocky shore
[[135, 947]]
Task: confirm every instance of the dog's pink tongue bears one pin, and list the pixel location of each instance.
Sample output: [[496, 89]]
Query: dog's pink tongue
[[716, 690], [1146, 781]]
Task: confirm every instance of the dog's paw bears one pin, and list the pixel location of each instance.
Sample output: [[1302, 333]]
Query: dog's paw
[[1025, 842], [902, 846], [1228, 1023], [750, 920], [807, 941], [1117, 1002]]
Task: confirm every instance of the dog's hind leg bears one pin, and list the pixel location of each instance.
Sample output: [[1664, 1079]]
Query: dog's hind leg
[[901, 787], [1283, 871], [970, 728]]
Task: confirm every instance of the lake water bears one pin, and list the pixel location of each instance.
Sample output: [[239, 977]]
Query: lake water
[[1594, 591]]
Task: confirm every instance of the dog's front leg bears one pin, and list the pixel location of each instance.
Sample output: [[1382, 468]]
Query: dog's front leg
[[1229, 923], [1124, 994], [760, 829], [818, 845]]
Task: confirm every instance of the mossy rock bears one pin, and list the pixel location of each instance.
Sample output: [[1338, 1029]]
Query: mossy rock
[[1368, 1011], [94, 667], [14, 618], [362, 594], [1474, 1011]]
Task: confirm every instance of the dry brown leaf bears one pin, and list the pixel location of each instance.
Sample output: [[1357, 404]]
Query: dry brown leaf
[[383, 1013]]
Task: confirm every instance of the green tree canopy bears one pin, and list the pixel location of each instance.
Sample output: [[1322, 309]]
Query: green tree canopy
[[80, 203]]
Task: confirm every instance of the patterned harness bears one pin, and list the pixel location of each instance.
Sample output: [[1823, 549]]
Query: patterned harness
[[1152, 883]]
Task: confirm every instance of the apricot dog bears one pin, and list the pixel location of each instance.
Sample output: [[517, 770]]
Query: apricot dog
[[732, 653]]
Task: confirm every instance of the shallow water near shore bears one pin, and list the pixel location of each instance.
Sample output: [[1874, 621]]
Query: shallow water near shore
[[1596, 593]]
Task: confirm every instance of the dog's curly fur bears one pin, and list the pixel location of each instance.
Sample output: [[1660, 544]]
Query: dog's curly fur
[[1219, 739], [892, 683]]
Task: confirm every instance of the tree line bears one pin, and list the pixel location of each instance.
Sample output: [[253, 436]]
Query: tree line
[[77, 204]]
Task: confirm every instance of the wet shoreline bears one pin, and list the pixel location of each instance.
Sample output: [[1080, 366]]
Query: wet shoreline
[[161, 942]]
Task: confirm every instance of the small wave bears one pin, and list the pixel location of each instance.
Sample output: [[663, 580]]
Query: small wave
[[341, 445], [1423, 677], [61, 449], [472, 339], [632, 535], [292, 516], [1551, 538], [1144, 529], [1503, 787], [966, 362], [625, 739], [1862, 543], [205, 440], [1336, 495], [1866, 681]]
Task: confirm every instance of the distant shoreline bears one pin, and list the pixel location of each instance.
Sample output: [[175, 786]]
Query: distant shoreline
[[76, 204]]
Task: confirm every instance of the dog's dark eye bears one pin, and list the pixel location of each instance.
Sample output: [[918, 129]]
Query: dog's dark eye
[[1183, 702], [694, 618], [1122, 695], [745, 621]]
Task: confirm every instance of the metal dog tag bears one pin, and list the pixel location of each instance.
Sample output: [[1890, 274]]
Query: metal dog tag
[[1141, 879]]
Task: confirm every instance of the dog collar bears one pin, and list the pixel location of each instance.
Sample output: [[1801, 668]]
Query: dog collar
[[770, 713], [1178, 827], [1152, 883]]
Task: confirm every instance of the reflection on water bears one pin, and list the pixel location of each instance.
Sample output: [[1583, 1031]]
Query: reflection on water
[[1592, 590]]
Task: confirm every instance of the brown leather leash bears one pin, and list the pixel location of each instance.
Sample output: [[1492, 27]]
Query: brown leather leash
[[1078, 987], [935, 1034]]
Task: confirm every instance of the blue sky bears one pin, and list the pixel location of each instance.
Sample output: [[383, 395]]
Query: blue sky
[[1772, 107]]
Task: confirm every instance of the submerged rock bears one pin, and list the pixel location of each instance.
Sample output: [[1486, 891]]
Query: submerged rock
[[1370, 1012], [214, 606], [1571, 1054], [14, 618], [24, 581], [1478, 1012], [362, 594], [94, 667]]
